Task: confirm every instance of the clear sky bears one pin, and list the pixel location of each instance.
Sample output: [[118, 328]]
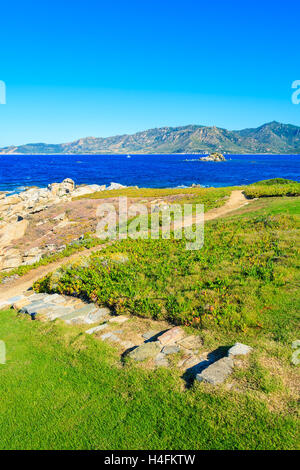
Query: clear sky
[[76, 68]]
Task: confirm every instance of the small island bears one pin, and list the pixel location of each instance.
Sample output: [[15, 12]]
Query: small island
[[213, 157]]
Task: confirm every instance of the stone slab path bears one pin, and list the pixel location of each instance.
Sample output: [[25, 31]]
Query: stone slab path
[[164, 346], [161, 346]]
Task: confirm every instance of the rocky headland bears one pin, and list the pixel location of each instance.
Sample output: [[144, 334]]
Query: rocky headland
[[39, 221]]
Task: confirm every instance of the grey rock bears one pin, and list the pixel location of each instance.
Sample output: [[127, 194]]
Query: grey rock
[[79, 314], [127, 344], [55, 312], [99, 314], [161, 360], [119, 319], [188, 361], [150, 334], [58, 299], [145, 351], [114, 338], [32, 307], [191, 342], [97, 328], [217, 372], [239, 349], [35, 296], [296, 344], [110, 337], [172, 349]]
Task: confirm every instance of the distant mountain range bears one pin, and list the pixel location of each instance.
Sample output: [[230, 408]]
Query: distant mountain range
[[273, 137]]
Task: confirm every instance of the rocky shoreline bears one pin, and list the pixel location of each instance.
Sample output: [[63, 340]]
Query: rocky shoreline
[[18, 210]]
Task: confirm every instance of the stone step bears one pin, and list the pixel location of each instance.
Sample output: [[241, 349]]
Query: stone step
[[91, 331], [217, 372], [56, 312], [32, 308], [79, 315], [56, 298]]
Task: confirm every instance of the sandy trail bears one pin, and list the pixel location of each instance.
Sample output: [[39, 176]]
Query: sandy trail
[[19, 286]]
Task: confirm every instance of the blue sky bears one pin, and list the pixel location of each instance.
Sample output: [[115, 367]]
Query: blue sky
[[80, 68]]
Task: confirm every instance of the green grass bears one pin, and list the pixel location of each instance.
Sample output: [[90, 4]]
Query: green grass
[[210, 197], [273, 188], [61, 389], [151, 192], [247, 265]]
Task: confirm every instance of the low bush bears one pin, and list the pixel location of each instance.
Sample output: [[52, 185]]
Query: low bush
[[160, 279]]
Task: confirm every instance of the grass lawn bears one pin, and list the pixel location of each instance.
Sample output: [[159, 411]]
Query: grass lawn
[[61, 389]]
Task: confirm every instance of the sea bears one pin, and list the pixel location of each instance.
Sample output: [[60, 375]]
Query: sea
[[153, 171]]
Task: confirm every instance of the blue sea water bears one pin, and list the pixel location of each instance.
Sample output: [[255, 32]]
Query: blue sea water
[[17, 171]]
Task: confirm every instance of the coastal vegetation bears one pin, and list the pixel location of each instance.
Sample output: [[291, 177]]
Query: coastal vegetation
[[244, 265], [272, 188]]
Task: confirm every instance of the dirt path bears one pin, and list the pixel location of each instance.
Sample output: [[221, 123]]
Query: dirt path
[[236, 201], [19, 286]]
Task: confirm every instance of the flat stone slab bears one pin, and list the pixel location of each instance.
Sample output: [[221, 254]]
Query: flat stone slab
[[171, 336], [188, 361], [55, 312], [56, 298], [145, 351], [120, 319], [21, 303], [239, 349], [35, 296], [33, 307], [127, 344], [217, 372], [14, 299], [172, 349], [110, 337], [161, 360], [99, 314], [191, 342], [150, 334], [97, 328], [78, 315]]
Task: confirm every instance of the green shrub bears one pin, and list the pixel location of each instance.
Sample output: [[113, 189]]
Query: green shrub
[[204, 288], [272, 188]]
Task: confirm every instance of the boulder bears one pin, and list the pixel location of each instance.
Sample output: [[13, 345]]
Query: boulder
[[239, 349], [214, 157], [62, 189]]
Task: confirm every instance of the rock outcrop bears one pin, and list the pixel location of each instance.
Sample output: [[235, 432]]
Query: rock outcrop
[[214, 157], [16, 211]]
